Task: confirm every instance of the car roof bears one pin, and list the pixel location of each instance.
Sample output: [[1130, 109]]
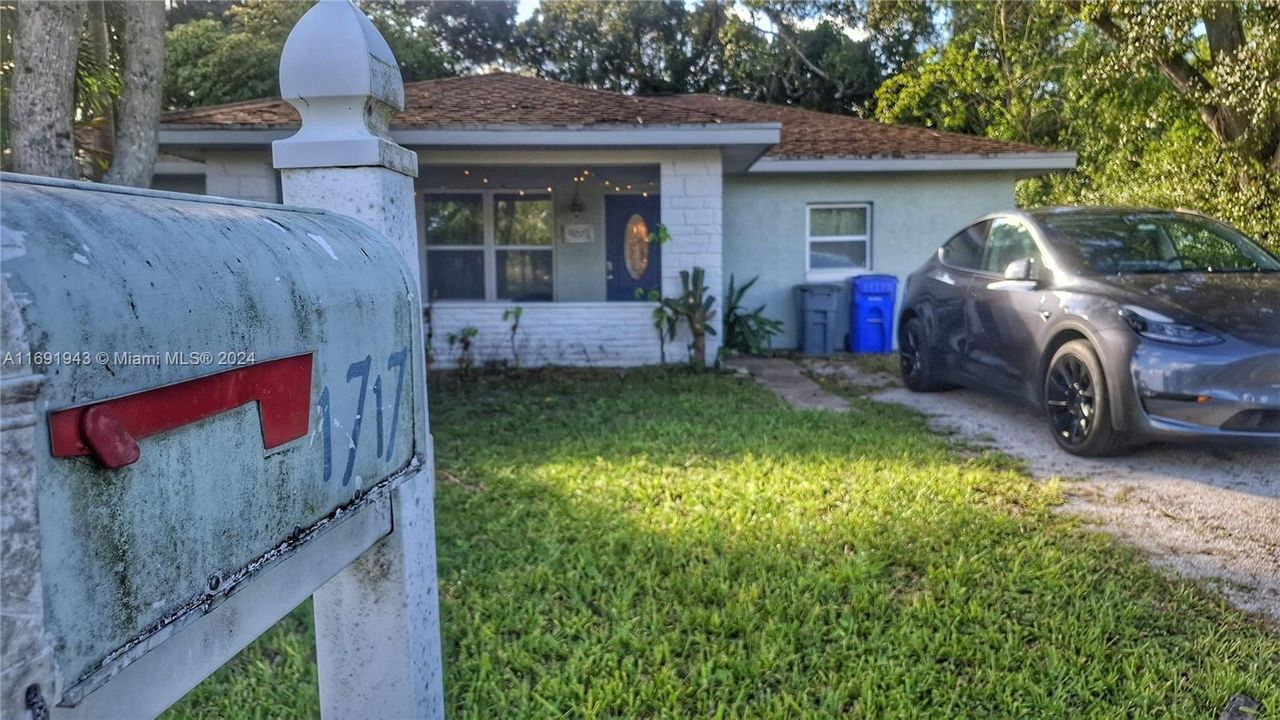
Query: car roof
[[1100, 211]]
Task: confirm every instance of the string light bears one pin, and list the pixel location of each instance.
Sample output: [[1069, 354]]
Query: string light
[[609, 185]]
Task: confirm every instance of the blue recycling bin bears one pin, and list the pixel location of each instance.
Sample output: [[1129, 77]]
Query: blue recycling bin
[[871, 313]]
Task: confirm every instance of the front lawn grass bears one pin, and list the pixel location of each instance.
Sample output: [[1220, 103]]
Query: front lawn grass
[[662, 544]]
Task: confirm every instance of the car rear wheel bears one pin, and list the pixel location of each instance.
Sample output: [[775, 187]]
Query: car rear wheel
[[1077, 404], [917, 359]]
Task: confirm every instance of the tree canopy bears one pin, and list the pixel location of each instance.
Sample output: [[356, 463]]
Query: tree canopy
[[235, 55], [1174, 103]]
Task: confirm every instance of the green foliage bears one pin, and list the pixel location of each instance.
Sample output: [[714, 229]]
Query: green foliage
[[673, 46], [99, 85], [896, 30], [820, 68], [746, 331], [1179, 167], [513, 315], [662, 544], [694, 307], [184, 11], [473, 32], [463, 340], [665, 322], [1001, 73], [642, 47], [205, 64], [1161, 112], [210, 61]]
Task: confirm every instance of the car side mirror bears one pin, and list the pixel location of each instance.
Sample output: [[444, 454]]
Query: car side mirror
[[1022, 269]]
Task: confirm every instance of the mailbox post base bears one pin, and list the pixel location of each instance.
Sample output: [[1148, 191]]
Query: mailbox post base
[[377, 624]]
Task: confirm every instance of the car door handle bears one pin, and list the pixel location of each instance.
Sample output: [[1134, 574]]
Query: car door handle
[[1023, 285]]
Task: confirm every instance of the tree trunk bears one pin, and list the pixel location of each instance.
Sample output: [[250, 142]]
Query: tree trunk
[[135, 144], [42, 96]]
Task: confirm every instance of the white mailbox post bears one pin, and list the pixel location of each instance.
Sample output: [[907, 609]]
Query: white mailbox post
[[377, 622]]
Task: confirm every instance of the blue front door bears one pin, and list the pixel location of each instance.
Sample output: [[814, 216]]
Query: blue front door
[[633, 265]]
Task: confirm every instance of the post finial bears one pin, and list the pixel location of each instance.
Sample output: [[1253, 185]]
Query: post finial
[[340, 74]]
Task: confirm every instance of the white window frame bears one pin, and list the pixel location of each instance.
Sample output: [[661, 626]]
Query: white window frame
[[489, 247], [823, 274]]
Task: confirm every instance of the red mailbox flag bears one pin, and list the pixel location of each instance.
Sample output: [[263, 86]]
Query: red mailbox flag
[[109, 430]]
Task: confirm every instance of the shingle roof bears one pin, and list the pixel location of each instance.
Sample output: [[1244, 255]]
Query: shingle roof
[[501, 99], [810, 134]]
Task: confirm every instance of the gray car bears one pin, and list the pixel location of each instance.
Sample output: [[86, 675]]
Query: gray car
[[1123, 325]]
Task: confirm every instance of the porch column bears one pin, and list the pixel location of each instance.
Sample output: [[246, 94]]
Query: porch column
[[377, 622], [692, 191]]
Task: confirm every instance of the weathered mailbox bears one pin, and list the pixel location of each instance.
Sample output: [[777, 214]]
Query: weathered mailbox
[[218, 399]]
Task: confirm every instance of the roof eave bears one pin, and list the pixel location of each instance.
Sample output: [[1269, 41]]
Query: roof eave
[[1028, 162], [742, 144], [622, 135]]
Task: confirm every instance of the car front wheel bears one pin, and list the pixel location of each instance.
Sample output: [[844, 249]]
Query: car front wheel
[[1077, 403], [917, 359]]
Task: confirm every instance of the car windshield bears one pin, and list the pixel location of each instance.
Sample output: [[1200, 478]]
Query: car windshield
[[1151, 242]]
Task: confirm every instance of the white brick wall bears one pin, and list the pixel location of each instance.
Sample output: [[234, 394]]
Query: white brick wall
[[618, 334], [241, 175], [692, 191]]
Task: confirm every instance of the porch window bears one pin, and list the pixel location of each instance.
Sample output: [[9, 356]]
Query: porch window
[[489, 245], [455, 246], [838, 238], [523, 238]]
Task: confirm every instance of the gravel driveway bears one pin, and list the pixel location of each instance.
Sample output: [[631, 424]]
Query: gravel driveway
[[1207, 512]]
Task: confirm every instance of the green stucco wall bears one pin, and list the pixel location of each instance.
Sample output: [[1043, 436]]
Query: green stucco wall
[[912, 214]]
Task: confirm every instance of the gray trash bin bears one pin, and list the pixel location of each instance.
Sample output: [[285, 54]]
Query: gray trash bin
[[818, 326]]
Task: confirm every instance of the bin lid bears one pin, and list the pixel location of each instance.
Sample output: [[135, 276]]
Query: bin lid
[[875, 283], [818, 288]]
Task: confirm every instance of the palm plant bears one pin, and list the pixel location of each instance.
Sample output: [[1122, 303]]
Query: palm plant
[[694, 307], [746, 331]]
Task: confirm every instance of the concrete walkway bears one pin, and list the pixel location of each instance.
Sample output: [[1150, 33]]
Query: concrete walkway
[[789, 382]]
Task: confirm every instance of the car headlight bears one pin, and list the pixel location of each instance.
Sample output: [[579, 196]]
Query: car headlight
[[1153, 325]]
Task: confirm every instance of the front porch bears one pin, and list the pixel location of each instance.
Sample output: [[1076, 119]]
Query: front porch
[[569, 238]]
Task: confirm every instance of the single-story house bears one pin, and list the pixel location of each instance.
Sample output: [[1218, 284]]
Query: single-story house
[[547, 196]]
